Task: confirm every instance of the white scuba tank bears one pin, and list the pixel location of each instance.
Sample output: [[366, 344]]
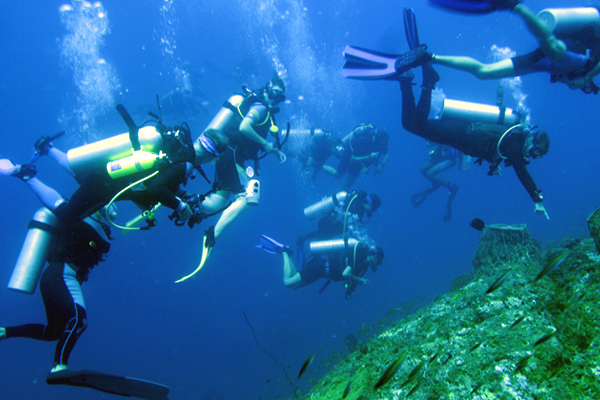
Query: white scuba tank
[[326, 246], [475, 112], [97, 155], [225, 114], [324, 206], [569, 21], [32, 258]]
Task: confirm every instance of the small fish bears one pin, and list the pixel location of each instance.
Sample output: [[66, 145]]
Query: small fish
[[476, 388], [347, 390], [477, 224], [432, 359], [545, 338], [518, 321], [523, 363], [552, 265], [477, 345], [413, 373], [498, 282], [389, 372], [308, 361], [414, 389]]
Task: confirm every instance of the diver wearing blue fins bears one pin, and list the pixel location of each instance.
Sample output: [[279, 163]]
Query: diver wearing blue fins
[[569, 47], [247, 120], [335, 260], [491, 133]]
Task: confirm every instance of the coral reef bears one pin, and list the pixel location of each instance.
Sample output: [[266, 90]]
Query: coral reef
[[526, 339]]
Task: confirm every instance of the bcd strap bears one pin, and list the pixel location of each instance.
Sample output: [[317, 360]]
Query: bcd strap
[[42, 226]]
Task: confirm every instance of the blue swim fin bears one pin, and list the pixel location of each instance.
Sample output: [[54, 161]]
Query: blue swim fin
[[475, 6], [410, 28], [273, 247], [372, 65]]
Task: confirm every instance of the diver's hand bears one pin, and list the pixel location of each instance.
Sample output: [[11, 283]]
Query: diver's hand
[[541, 210], [281, 157], [374, 155], [184, 212], [579, 82]]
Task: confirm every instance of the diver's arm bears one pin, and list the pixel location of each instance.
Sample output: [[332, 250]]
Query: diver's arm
[[348, 274], [247, 129]]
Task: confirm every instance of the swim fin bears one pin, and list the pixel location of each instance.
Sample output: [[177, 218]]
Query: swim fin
[[410, 28], [372, 65], [271, 246], [114, 384], [475, 6], [207, 246]]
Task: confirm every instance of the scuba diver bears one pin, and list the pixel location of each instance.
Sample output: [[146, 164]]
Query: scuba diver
[[246, 120], [441, 158], [493, 134], [343, 261], [321, 145], [363, 147], [162, 161], [71, 250], [340, 213], [569, 47]]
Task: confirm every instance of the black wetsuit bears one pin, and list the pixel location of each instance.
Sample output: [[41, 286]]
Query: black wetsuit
[[97, 189], [76, 249], [466, 137], [332, 266]]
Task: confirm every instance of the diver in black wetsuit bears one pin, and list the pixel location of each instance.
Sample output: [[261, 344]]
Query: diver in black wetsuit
[[514, 146]]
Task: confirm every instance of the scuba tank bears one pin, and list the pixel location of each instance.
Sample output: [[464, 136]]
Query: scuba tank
[[97, 155], [226, 114], [140, 161], [475, 112], [569, 21], [32, 258], [327, 246], [325, 205]]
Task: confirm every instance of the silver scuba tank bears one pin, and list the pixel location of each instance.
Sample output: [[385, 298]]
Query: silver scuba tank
[[32, 258], [326, 246], [97, 155], [225, 114], [475, 112], [569, 21], [325, 205]]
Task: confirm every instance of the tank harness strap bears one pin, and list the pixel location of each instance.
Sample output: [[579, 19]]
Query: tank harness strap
[[42, 226], [499, 101]]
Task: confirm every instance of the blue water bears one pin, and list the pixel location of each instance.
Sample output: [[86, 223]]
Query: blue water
[[193, 336]]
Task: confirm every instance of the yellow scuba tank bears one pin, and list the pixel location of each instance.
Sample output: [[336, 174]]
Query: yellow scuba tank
[[32, 258], [475, 112], [325, 205], [140, 161], [97, 155], [569, 21], [326, 246]]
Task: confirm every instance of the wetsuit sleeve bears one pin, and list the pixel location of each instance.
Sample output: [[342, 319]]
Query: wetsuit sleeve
[[518, 162], [164, 186], [257, 112]]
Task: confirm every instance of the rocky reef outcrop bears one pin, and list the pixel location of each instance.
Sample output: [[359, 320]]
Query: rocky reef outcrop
[[505, 332]]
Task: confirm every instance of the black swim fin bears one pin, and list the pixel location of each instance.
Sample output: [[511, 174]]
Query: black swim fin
[[410, 28], [114, 384], [475, 6], [372, 65]]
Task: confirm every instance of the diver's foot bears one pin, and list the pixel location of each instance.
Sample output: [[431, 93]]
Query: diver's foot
[[418, 199], [430, 76], [23, 172], [210, 237], [57, 374], [413, 58], [43, 145], [2, 334], [405, 78]]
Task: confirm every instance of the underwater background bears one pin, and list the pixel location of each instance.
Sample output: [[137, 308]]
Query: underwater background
[[66, 70]]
